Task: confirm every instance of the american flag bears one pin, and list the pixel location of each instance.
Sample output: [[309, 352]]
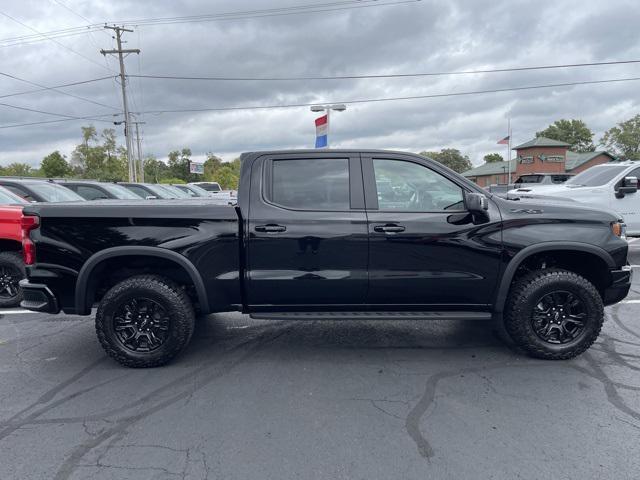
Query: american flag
[[504, 141]]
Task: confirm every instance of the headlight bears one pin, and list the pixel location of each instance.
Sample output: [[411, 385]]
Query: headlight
[[619, 229]]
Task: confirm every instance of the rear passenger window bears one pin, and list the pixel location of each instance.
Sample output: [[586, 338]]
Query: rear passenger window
[[314, 184]]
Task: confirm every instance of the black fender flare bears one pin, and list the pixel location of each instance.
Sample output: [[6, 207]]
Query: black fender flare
[[81, 303], [522, 255]]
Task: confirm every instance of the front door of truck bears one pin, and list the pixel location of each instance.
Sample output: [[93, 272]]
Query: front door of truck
[[307, 232], [628, 205], [425, 252]]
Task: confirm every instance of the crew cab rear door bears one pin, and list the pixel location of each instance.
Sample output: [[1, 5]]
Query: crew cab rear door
[[307, 232], [425, 251]]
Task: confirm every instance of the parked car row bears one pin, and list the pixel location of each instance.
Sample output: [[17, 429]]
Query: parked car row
[[15, 193]]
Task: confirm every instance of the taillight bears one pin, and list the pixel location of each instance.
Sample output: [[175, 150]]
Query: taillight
[[28, 223]]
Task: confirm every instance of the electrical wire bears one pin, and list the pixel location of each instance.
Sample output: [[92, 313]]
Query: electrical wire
[[43, 122], [55, 41], [271, 12], [43, 87], [239, 15], [82, 82], [27, 109], [390, 75], [392, 99]]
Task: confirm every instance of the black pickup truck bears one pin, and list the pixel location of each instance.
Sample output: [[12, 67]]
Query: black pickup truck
[[328, 234]]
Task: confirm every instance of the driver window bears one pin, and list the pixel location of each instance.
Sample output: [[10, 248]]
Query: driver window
[[411, 187]]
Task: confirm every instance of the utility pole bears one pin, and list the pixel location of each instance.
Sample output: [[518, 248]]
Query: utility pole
[[127, 121], [140, 163]]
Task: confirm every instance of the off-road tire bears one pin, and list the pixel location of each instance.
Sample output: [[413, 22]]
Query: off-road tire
[[12, 262], [525, 294], [162, 290]]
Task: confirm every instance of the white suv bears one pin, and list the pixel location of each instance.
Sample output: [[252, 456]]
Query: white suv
[[611, 186]]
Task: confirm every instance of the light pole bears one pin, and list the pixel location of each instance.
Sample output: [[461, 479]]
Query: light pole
[[338, 107]]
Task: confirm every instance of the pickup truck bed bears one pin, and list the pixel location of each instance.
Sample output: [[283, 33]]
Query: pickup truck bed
[[329, 234]]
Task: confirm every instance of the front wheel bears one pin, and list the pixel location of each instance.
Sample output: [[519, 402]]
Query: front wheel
[[554, 314], [145, 321]]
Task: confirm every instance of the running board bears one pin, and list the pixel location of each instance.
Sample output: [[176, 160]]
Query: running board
[[371, 316]]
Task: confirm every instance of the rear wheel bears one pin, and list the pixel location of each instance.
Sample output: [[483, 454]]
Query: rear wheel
[[554, 314], [11, 272], [145, 321]]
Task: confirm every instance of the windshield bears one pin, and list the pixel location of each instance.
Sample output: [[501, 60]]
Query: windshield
[[195, 190], [529, 179], [178, 193], [120, 192], [596, 176], [161, 192], [8, 198], [52, 192], [210, 187]]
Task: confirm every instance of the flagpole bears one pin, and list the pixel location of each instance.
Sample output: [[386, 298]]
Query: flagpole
[[328, 114], [509, 147]]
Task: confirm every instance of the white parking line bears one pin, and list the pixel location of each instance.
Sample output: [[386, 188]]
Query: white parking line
[[632, 240], [13, 312], [630, 301]]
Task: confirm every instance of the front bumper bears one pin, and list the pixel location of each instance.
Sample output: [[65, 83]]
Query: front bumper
[[620, 285], [38, 297]]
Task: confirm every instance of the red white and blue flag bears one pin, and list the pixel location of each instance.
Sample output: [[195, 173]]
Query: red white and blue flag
[[322, 129], [504, 141]]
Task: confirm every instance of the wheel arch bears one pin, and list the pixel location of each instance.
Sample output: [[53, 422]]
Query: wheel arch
[[546, 247], [84, 292]]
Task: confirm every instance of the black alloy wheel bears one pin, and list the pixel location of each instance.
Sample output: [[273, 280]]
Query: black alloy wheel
[[141, 325], [10, 277], [559, 317]]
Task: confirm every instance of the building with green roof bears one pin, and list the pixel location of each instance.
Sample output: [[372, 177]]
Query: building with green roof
[[539, 155]]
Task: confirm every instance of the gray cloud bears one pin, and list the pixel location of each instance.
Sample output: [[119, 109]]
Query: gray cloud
[[425, 36]]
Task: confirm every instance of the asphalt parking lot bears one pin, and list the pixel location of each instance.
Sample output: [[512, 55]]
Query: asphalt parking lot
[[319, 400]]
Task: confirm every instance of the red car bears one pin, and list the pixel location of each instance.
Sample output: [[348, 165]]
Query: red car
[[11, 264]]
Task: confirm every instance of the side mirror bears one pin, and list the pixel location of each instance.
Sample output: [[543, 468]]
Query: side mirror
[[476, 202], [629, 185], [150, 197]]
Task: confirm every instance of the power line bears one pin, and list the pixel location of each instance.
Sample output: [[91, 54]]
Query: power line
[[27, 109], [390, 75], [375, 100], [54, 40], [239, 15], [391, 99], [82, 82], [271, 12], [43, 122], [43, 87]]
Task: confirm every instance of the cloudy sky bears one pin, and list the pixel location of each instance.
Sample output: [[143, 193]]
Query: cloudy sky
[[376, 37]]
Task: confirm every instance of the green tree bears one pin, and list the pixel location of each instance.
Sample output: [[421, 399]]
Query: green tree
[[155, 170], [493, 158], [574, 132], [17, 169], [172, 181], [179, 165], [624, 139], [452, 158], [102, 161], [55, 165], [211, 166]]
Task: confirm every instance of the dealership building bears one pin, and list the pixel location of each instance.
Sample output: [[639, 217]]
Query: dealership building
[[540, 155]]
